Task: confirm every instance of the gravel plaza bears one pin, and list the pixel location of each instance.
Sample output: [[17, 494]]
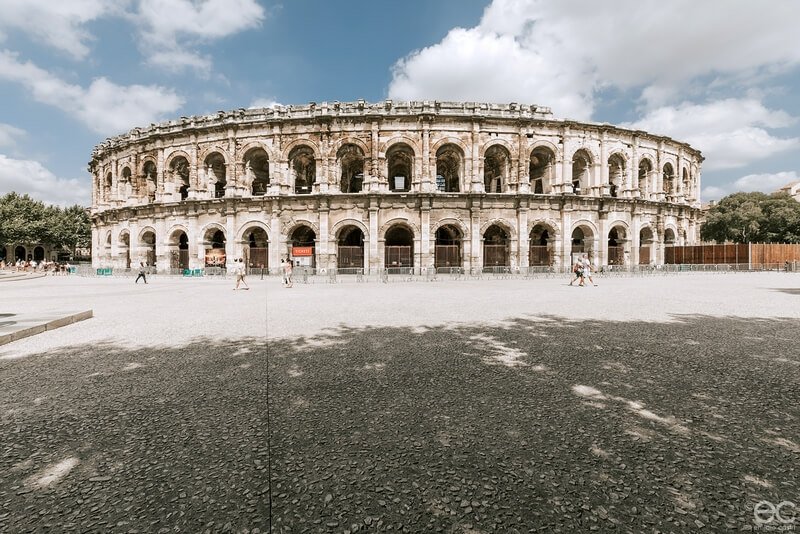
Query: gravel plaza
[[661, 403]]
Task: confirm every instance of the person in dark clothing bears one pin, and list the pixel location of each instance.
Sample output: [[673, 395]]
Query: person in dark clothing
[[142, 271]]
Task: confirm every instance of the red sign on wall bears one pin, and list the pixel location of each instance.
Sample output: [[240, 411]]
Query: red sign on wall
[[302, 251]]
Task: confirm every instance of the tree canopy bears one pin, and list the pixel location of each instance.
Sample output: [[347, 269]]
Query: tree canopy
[[753, 218], [24, 220]]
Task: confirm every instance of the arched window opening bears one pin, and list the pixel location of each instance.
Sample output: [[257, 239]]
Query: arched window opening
[[19, 253], [216, 174], [541, 170], [616, 246], [582, 240], [150, 174], [256, 253], [38, 254], [496, 243], [351, 165], [304, 169], [302, 242], [541, 245], [646, 239], [399, 245], [179, 250], [125, 246], [400, 162], [448, 169], [645, 169], [256, 168], [581, 173], [148, 243], [686, 184], [616, 174], [179, 173], [214, 244], [495, 169], [447, 251], [669, 179], [350, 248]]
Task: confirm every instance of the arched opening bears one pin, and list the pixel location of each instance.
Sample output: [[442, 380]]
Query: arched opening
[[256, 251], [646, 239], [350, 253], [686, 184], [38, 254], [150, 174], [125, 248], [108, 184], [448, 169], [216, 174], [541, 170], [669, 245], [447, 250], [496, 243], [304, 169], [582, 238], [496, 162], [214, 245], [148, 243], [616, 246], [3, 254], [125, 179], [400, 167], [581, 172], [179, 250], [302, 243], [351, 166], [541, 245], [399, 245], [179, 174], [645, 170], [669, 179], [19, 253], [256, 168], [616, 174]]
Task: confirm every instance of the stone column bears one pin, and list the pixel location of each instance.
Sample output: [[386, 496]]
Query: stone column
[[277, 249], [477, 177], [523, 242], [603, 179], [375, 261], [633, 174], [326, 258], [232, 251], [426, 258], [427, 184], [476, 259], [162, 245], [566, 163]]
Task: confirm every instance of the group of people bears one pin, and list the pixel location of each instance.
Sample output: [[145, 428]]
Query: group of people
[[582, 271], [43, 266]]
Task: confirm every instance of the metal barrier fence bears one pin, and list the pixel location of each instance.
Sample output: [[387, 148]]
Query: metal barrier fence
[[310, 275]]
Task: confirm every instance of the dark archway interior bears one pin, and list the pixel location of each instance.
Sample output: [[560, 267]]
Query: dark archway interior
[[448, 167], [448, 235], [218, 239], [495, 235], [351, 161], [257, 166], [303, 236], [351, 236], [399, 236]]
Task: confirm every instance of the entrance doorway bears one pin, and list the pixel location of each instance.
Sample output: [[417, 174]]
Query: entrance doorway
[[350, 252], [496, 243], [447, 251], [399, 247]]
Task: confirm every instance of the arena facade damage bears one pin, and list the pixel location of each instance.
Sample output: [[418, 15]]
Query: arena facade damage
[[406, 185]]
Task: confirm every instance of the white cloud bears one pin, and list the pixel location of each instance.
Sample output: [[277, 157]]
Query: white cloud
[[264, 103], [170, 28], [57, 23], [538, 51], [105, 107], [9, 134], [731, 133], [766, 183], [27, 176]]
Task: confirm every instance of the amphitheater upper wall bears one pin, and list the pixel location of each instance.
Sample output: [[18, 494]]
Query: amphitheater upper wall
[[360, 147]]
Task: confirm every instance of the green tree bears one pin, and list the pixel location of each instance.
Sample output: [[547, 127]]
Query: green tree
[[24, 220], [753, 217]]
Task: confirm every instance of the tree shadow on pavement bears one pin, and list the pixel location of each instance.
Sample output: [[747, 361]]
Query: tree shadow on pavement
[[537, 423]]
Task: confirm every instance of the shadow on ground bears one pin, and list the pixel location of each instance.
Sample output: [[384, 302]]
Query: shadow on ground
[[538, 423]]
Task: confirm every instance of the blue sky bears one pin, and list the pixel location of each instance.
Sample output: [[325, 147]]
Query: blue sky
[[718, 74]]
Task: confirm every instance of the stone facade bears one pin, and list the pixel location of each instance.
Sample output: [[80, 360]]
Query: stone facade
[[417, 184]]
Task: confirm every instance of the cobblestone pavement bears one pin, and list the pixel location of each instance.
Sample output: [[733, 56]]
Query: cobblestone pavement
[[386, 417]]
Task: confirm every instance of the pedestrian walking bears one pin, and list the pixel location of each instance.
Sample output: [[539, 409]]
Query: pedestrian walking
[[288, 272], [142, 272], [587, 269], [240, 271], [577, 270]]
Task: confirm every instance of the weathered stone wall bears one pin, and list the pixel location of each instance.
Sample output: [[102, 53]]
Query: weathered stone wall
[[512, 166]]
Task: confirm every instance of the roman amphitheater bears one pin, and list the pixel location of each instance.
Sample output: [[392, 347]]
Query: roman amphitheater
[[391, 185]]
